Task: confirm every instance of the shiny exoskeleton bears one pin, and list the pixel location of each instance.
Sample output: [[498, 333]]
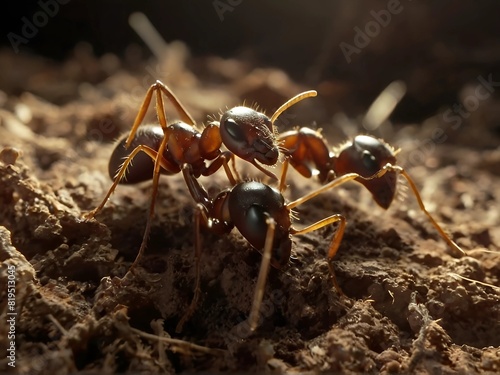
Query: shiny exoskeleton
[[246, 134], [263, 218], [180, 146], [365, 159]]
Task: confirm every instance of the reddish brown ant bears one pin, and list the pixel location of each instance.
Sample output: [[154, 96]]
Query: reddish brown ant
[[258, 211], [365, 157], [169, 149]]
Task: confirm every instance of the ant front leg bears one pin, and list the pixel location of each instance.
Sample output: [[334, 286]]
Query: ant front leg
[[207, 214], [334, 183], [458, 251], [222, 161]]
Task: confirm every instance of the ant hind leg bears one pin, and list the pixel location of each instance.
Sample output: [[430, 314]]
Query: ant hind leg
[[158, 88]]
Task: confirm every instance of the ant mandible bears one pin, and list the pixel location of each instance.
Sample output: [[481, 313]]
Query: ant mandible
[[372, 161], [168, 149]]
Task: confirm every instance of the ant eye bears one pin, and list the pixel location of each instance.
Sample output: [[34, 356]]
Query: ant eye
[[369, 161], [234, 130]]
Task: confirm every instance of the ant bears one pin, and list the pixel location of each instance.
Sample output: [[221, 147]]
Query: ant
[[264, 219], [365, 157], [179, 146]]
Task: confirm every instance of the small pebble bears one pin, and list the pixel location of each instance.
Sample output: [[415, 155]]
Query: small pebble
[[9, 155]]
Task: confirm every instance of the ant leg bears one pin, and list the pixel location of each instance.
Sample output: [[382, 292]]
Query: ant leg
[[334, 244], [389, 167], [199, 213], [222, 161], [253, 318], [197, 191], [454, 246], [159, 162], [121, 175], [334, 183], [156, 179], [284, 170], [140, 115], [158, 88], [235, 170], [183, 113]]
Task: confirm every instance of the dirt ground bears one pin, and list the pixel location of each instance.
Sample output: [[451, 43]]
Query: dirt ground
[[408, 308]]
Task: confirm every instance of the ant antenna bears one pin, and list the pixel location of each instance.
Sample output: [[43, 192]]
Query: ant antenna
[[297, 98]]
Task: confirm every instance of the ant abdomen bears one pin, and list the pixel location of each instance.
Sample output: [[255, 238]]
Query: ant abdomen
[[142, 167]]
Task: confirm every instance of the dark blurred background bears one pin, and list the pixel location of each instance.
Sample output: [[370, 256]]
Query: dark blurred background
[[435, 47]]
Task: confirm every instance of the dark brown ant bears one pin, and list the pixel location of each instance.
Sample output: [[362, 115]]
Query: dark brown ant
[[168, 149], [366, 158], [264, 219]]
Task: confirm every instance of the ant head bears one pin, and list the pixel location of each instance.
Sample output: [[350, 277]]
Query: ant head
[[249, 135], [366, 155], [250, 205]]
